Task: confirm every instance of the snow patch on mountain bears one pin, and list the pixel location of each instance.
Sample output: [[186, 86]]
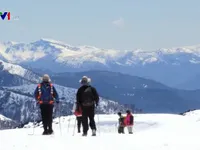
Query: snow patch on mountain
[[7, 123], [193, 114], [3, 118], [13, 69], [20, 71]]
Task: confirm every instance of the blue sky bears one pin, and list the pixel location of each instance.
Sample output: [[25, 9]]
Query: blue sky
[[119, 24]]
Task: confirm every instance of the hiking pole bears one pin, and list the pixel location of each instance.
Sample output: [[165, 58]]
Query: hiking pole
[[59, 119], [74, 127], [98, 121], [33, 113], [68, 124]]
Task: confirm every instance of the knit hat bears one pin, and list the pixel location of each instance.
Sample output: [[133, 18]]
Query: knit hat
[[46, 78]]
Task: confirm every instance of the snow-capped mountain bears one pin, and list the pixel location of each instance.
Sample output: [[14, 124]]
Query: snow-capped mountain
[[60, 57], [18, 103], [7, 123]]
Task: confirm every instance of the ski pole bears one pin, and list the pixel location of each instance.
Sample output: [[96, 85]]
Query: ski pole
[[34, 115], [98, 121], [74, 127], [59, 119], [68, 124]]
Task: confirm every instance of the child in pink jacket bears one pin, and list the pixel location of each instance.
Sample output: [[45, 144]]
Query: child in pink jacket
[[129, 121]]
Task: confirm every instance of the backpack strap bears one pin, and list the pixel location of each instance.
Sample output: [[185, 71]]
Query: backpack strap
[[39, 94], [51, 85], [51, 101]]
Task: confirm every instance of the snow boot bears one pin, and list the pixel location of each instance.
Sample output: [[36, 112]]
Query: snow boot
[[84, 134], [50, 131], [79, 131], [45, 132], [93, 132]]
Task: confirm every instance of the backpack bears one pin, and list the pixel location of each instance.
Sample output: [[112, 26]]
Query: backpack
[[88, 98], [45, 93]]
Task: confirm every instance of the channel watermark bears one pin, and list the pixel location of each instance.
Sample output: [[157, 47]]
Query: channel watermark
[[6, 15]]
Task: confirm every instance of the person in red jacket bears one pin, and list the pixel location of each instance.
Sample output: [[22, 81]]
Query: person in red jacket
[[78, 113], [129, 121]]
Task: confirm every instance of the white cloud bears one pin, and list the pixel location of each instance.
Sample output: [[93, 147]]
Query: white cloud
[[119, 22]]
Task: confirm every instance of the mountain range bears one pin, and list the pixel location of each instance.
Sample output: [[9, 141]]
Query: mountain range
[[173, 66], [134, 92], [141, 93]]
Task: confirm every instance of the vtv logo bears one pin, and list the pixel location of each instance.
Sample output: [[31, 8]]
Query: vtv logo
[[4, 14]]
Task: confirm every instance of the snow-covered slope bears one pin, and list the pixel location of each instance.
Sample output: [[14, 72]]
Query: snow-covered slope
[[7, 123], [18, 103], [3, 118], [151, 132], [61, 57], [193, 114], [19, 71]]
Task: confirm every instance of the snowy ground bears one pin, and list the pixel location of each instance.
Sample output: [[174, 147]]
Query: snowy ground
[[151, 132]]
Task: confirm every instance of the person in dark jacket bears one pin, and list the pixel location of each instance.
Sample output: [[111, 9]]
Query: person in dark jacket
[[87, 98], [46, 95], [121, 123]]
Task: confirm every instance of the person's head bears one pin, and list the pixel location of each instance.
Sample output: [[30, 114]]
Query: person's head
[[46, 78], [85, 80], [128, 112], [119, 113]]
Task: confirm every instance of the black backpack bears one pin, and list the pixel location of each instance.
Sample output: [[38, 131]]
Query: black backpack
[[88, 97]]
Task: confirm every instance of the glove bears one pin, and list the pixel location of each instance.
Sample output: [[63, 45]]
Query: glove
[[38, 102]]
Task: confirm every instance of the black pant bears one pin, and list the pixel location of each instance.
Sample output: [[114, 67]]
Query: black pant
[[79, 122], [121, 129], [88, 112], [47, 112]]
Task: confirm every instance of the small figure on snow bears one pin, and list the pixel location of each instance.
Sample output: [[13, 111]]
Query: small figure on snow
[[121, 123], [46, 95], [78, 113], [129, 121], [87, 98]]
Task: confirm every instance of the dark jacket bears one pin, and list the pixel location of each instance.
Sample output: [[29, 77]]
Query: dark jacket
[[122, 121], [82, 95], [46, 95]]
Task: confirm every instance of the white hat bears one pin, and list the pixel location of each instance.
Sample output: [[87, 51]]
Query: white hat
[[85, 80], [46, 78]]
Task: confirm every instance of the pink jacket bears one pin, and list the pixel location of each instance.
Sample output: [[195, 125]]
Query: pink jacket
[[129, 120]]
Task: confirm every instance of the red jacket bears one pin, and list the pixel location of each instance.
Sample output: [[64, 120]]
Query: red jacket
[[77, 112]]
